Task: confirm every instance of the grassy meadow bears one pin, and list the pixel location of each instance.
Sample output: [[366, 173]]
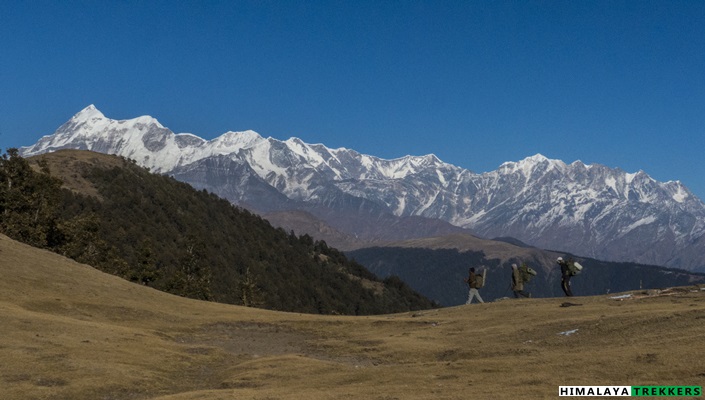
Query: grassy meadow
[[69, 331]]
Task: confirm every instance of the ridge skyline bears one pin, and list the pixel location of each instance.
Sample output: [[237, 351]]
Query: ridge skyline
[[477, 84], [92, 111]]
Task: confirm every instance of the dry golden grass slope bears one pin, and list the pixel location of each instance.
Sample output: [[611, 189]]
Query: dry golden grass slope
[[71, 332]]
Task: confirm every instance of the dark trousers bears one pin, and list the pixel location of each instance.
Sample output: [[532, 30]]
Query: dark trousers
[[565, 285], [518, 293]]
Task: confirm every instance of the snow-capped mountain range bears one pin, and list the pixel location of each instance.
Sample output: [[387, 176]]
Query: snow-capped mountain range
[[589, 210]]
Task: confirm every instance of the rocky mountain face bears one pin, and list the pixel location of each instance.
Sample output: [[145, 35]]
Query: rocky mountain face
[[590, 210]]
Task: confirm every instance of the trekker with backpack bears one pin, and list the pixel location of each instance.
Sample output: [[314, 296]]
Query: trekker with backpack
[[518, 280], [475, 281], [567, 272]]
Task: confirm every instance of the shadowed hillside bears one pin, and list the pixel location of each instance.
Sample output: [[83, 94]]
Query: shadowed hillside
[[107, 212], [436, 267], [71, 332]]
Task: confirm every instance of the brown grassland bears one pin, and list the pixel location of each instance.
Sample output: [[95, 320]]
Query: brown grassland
[[69, 331]]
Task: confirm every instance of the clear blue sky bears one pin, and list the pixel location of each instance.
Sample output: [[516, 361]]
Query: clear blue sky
[[620, 83]]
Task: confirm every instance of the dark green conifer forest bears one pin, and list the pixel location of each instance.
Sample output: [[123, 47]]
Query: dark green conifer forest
[[159, 232]]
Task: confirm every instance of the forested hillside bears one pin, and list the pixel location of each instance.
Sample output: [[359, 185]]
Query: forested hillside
[[109, 213]]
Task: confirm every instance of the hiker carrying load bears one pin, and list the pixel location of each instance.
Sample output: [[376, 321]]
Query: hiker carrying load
[[569, 269], [520, 276], [475, 281]]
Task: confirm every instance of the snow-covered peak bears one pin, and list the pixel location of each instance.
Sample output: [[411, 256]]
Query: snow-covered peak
[[535, 159], [145, 120], [88, 113], [580, 164], [188, 140], [530, 165], [638, 176], [236, 140], [421, 161], [298, 146]]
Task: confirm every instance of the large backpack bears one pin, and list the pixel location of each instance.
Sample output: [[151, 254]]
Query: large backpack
[[574, 268], [480, 279], [527, 273]]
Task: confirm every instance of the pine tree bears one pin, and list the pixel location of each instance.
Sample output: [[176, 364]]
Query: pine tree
[[145, 272], [193, 278], [250, 294]]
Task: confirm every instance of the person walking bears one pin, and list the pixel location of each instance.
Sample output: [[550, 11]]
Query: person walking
[[518, 283], [565, 276], [471, 280]]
